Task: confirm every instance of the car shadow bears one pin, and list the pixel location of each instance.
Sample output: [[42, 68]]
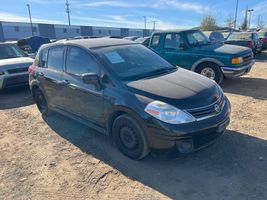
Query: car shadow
[[15, 98], [261, 57], [234, 167], [246, 86]]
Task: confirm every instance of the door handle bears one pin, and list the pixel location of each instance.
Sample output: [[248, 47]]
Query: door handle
[[65, 82]]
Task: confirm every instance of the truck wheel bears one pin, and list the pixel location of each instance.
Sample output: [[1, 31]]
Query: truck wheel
[[130, 137], [211, 70]]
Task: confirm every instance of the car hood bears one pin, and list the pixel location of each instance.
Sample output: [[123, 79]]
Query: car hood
[[16, 61], [183, 89], [224, 49]]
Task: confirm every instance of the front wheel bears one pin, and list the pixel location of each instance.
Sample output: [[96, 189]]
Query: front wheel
[[130, 137], [211, 71]]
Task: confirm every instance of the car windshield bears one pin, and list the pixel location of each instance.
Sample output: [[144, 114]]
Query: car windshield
[[238, 36], [133, 62], [197, 38], [10, 51]]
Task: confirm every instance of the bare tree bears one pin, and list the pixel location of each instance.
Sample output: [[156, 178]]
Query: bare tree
[[208, 23], [230, 21]]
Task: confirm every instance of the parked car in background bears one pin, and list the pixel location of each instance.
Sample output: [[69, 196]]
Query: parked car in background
[[130, 93], [246, 39], [192, 50], [14, 65], [263, 38], [113, 37], [226, 35], [143, 40], [132, 38], [215, 37], [31, 45], [85, 37]]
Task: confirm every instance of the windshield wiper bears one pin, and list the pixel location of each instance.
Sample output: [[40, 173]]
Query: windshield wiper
[[152, 73]]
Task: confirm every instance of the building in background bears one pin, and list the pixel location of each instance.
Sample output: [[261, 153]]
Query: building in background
[[15, 30]]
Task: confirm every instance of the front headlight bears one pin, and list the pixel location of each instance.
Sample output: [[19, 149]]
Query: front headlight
[[168, 113], [237, 60]]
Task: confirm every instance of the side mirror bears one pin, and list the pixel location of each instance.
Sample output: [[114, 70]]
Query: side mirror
[[91, 78]]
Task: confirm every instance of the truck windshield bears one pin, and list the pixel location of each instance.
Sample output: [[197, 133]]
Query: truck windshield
[[133, 62], [10, 51], [197, 38]]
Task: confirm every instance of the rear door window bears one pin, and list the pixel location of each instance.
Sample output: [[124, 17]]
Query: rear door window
[[173, 41], [56, 58], [79, 62]]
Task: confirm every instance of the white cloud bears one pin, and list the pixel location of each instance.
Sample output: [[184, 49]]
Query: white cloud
[[9, 17], [157, 4], [123, 21]]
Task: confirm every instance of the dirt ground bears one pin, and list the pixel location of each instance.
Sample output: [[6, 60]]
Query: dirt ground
[[57, 158]]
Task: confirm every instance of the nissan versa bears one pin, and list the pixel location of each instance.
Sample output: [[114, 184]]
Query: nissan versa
[[128, 92]]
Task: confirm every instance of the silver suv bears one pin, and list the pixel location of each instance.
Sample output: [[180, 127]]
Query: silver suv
[[14, 65]]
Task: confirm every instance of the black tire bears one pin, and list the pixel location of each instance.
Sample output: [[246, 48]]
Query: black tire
[[217, 76], [41, 102], [130, 137]]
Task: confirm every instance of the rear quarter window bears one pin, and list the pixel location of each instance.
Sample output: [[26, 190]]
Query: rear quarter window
[[155, 41], [56, 58], [42, 58]]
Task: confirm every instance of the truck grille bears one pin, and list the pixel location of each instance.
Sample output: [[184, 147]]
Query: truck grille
[[247, 58], [208, 111], [16, 81], [17, 70]]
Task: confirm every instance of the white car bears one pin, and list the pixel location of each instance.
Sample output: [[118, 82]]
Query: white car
[[14, 65]]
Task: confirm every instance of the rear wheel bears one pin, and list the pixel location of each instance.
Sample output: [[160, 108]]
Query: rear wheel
[[41, 102], [130, 137], [211, 71]]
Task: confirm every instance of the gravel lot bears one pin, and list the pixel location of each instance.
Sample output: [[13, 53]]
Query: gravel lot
[[57, 158]]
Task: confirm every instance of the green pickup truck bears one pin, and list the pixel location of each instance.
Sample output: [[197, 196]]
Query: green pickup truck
[[192, 50]]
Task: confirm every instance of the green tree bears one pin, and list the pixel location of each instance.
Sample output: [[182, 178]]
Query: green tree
[[208, 23]]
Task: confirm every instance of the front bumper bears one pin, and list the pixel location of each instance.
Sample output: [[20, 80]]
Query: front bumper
[[231, 72], [188, 137], [14, 80]]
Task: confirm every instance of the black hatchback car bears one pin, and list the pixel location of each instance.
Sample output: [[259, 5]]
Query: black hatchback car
[[128, 92]]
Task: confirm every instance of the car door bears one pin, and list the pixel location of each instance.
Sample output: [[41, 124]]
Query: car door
[[81, 99], [174, 50], [50, 72]]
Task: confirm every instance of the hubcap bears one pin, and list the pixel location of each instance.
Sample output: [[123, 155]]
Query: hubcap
[[128, 137], [208, 72]]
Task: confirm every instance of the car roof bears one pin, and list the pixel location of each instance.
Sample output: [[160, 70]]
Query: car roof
[[92, 42], [175, 31]]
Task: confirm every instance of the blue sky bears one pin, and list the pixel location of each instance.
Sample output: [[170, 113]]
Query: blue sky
[[121, 13]]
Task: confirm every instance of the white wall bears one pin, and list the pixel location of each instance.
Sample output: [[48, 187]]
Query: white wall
[[24, 30]]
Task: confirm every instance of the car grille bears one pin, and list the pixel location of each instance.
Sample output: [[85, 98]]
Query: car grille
[[17, 70], [16, 81], [208, 111], [203, 139], [247, 58]]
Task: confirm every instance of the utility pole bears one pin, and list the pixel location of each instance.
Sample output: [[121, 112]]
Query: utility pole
[[30, 16], [154, 25], [144, 26], [250, 13], [236, 8], [68, 10]]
